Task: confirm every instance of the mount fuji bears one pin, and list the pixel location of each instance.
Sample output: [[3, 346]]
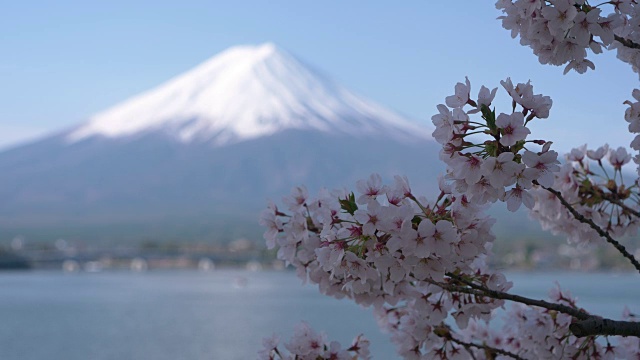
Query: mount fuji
[[245, 93], [198, 156]]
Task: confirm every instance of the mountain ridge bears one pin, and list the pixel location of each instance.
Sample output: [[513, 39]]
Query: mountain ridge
[[247, 92], [134, 173]]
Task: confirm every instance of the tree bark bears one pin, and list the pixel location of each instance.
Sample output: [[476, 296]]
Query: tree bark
[[600, 326]]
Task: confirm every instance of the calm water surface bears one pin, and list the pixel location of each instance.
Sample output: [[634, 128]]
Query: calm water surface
[[219, 315]]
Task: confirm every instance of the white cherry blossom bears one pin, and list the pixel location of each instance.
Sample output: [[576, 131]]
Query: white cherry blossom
[[544, 164], [370, 189], [501, 171], [513, 129], [461, 96], [421, 263], [617, 158]]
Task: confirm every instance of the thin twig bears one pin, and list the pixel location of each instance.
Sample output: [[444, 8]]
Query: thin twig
[[626, 42], [586, 324], [595, 227], [486, 348], [470, 351], [622, 205], [485, 292]]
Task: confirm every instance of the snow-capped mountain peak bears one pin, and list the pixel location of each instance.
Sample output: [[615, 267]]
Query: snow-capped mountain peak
[[247, 92]]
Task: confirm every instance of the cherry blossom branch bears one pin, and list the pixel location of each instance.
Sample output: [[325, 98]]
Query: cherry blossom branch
[[588, 325], [444, 332], [470, 351], [595, 227], [619, 203], [486, 348], [600, 326], [626, 42], [475, 289]]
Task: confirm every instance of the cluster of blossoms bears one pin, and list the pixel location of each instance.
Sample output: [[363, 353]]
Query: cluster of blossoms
[[561, 31], [594, 193], [629, 346], [421, 265], [538, 333], [418, 327], [629, 33], [632, 116], [392, 250], [371, 248], [500, 166], [306, 344], [421, 262]]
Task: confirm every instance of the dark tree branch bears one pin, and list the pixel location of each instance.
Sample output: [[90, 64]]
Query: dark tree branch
[[595, 227], [470, 351], [587, 324], [626, 42], [599, 326], [494, 294], [486, 348]]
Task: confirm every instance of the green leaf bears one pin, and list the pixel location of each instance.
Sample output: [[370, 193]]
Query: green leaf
[[491, 147], [517, 158], [490, 117], [349, 204], [519, 145]]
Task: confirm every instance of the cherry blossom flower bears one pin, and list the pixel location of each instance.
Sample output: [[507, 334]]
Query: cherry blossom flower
[[468, 168], [370, 188], [513, 129], [298, 197], [269, 345], [461, 96], [501, 171], [544, 164], [307, 344], [599, 153], [370, 218], [577, 154], [560, 16], [485, 97], [580, 66], [585, 25], [272, 222], [517, 196], [618, 157]]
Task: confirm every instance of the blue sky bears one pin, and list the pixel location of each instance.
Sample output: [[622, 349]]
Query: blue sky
[[63, 61]]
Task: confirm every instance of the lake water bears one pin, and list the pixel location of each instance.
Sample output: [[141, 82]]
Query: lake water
[[218, 315]]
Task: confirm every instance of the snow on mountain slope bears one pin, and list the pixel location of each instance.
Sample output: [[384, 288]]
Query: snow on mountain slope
[[247, 92]]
